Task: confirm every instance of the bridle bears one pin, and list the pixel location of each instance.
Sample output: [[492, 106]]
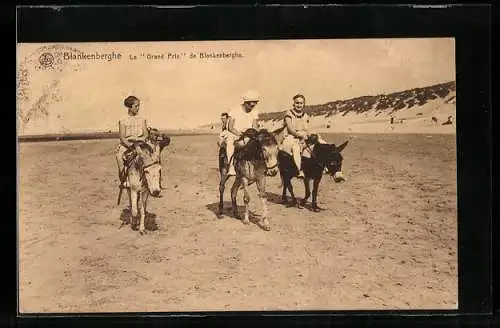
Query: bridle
[[144, 167], [150, 164]]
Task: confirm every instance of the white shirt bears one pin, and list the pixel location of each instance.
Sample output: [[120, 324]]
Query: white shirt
[[242, 119], [224, 134], [133, 125], [299, 123]]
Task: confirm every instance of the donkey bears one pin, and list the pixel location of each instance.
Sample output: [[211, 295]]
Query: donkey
[[253, 162], [142, 178], [322, 156]]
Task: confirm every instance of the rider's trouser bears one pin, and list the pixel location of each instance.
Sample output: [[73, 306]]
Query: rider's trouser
[[294, 147], [233, 143], [120, 151]]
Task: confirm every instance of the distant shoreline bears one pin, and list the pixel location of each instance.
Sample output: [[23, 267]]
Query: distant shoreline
[[92, 136], [103, 136]]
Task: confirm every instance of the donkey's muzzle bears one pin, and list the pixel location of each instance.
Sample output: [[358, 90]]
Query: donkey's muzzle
[[155, 193]]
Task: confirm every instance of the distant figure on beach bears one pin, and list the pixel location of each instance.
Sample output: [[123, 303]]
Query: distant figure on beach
[[392, 119], [223, 135], [449, 121], [434, 120]]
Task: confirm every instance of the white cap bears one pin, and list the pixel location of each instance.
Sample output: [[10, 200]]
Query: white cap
[[251, 95]]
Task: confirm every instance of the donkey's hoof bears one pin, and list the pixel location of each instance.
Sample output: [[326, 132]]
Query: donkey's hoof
[[299, 205], [303, 202], [265, 224], [246, 221], [316, 209], [295, 203], [284, 200]]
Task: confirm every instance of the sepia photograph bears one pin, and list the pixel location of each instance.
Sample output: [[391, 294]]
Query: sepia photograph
[[249, 175]]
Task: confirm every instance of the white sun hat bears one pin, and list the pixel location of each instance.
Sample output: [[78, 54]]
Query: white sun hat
[[251, 95]]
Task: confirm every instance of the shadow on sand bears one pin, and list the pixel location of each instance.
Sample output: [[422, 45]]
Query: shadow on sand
[[149, 221], [228, 212], [276, 199]]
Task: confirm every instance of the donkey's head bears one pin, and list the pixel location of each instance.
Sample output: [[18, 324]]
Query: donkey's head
[[269, 150], [148, 164], [331, 156]]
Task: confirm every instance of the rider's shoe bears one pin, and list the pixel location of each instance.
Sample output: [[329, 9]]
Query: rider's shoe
[[338, 177]]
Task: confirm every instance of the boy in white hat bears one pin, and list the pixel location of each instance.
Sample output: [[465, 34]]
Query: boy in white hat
[[241, 118]]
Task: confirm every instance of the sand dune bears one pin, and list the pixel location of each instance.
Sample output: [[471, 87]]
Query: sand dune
[[412, 111], [410, 120]]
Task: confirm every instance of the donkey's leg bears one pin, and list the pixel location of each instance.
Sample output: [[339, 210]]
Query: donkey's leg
[[315, 194], [133, 207], [294, 200], [285, 181], [246, 200], [234, 193], [222, 187], [261, 187], [143, 197], [307, 187], [129, 204]]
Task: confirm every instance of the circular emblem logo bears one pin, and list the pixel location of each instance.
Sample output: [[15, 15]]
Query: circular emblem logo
[[46, 59]]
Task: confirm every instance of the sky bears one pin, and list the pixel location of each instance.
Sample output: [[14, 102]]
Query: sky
[[188, 92]]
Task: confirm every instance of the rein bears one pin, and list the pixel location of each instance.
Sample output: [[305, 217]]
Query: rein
[[150, 164], [272, 167]]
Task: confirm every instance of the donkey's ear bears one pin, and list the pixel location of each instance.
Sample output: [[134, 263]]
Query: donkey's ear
[[165, 142], [342, 146]]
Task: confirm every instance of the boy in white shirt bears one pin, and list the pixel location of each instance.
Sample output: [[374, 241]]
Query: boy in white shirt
[[132, 127], [223, 135], [241, 118]]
